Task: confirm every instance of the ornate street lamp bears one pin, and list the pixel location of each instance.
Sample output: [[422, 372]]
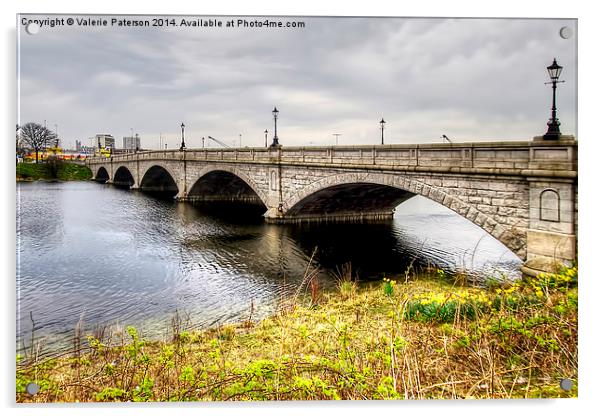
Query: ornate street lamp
[[275, 141], [553, 132], [183, 145], [382, 131], [266, 137]]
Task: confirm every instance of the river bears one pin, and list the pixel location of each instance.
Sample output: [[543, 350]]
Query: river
[[106, 255]]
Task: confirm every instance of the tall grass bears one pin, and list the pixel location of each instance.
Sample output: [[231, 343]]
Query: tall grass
[[423, 338], [346, 281]]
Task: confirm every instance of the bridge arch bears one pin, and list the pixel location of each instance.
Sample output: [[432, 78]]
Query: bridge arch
[[102, 175], [226, 179], [392, 190], [169, 168], [123, 177], [158, 179]]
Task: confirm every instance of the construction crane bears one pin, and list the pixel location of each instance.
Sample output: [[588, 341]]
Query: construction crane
[[218, 142]]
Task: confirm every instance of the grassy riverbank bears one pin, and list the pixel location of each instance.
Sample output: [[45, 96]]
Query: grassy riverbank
[[415, 339], [63, 171]]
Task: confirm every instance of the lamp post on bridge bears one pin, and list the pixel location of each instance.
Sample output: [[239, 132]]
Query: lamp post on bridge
[[266, 137], [553, 132], [275, 141], [382, 131], [183, 145], [336, 138]]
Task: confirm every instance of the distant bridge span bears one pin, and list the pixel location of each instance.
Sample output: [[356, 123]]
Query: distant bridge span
[[524, 193]]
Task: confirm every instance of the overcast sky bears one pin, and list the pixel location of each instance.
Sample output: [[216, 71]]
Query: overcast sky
[[471, 79]]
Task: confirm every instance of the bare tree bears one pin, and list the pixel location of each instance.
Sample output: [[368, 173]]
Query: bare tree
[[19, 149], [36, 136]]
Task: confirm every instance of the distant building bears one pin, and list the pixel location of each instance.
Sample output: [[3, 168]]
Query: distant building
[[78, 145], [105, 141], [87, 150], [131, 143]]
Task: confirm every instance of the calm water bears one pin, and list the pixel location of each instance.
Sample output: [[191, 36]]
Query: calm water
[[116, 256]]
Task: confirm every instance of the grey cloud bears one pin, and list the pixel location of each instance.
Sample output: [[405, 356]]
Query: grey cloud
[[467, 78]]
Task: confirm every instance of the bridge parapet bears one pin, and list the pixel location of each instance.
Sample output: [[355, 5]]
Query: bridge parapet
[[528, 157]]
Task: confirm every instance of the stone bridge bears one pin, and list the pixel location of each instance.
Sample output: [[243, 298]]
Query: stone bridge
[[523, 193]]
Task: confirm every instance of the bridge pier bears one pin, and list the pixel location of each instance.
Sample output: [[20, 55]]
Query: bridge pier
[[551, 237], [182, 191], [548, 251], [552, 232]]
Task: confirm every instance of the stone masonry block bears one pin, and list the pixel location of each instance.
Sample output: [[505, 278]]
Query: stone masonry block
[[480, 219]]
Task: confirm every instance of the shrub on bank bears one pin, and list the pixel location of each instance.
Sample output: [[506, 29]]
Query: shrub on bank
[[53, 170], [73, 172], [33, 171]]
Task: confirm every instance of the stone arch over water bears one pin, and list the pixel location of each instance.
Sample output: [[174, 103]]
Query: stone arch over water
[[123, 177], [102, 175], [221, 182], [380, 193], [158, 180]]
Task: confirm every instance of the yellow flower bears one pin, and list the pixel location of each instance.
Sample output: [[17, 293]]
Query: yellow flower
[[510, 290]]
